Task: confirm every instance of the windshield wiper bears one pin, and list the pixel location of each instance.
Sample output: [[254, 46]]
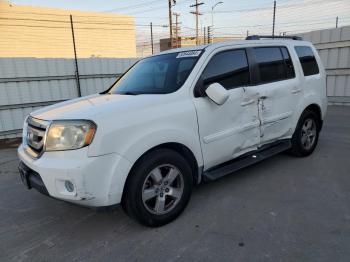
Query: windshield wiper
[[129, 93]]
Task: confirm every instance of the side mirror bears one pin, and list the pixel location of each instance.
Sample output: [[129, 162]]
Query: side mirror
[[217, 93]]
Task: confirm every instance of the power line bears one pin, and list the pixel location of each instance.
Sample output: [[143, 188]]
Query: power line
[[119, 16], [285, 6], [61, 27], [147, 10], [75, 22], [147, 4], [285, 23], [112, 16]]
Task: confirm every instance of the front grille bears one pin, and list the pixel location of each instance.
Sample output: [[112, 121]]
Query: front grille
[[35, 136]]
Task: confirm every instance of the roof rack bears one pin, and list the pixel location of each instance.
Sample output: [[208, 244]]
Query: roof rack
[[258, 37]]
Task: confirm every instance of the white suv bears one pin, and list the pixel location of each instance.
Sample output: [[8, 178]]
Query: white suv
[[174, 120]]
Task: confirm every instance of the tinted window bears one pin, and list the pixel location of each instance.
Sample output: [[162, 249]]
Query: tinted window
[[288, 63], [229, 68], [307, 60], [184, 69], [270, 63], [160, 74]]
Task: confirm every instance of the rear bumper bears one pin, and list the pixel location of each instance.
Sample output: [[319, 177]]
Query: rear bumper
[[98, 181]]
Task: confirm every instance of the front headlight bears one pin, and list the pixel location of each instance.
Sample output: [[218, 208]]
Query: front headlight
[[69, 134]]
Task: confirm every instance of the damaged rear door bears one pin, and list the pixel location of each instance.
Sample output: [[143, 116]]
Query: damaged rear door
[[276, 86]]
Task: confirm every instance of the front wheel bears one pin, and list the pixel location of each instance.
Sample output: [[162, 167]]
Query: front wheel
[[159, 188], [306, 134]]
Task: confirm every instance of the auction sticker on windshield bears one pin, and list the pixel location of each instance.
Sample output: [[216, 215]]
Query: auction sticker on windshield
[[189, 54]]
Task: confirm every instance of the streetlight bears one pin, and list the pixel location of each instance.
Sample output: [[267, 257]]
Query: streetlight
[[212, 17], [212, 12]]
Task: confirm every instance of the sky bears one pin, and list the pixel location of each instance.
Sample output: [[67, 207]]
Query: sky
[[231, 18]]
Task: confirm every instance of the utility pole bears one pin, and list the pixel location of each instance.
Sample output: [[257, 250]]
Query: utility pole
[[197, 13], [177, 28], [247, 33], [336, 22], [152, 37], [274, 18], [77, 77], [171, 22], [209, 35], [204, 36]]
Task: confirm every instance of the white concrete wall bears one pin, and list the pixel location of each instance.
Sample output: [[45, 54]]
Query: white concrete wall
[[333, 46]]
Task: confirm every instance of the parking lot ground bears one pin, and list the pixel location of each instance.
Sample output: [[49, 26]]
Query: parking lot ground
[[282, 209]]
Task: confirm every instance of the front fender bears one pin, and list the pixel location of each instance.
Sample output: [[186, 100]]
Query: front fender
[[130, 133], [149, 140], [140, 145]]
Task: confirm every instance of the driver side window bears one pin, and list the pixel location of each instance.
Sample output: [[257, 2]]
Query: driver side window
[[228, 68]]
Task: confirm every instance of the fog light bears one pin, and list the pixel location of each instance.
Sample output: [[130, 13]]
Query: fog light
[[69, 186]]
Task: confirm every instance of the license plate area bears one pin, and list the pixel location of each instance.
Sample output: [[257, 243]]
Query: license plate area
[[32, 179], [24, 174]]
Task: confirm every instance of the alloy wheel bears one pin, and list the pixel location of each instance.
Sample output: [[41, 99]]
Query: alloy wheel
[[308, 133], [162, 189]]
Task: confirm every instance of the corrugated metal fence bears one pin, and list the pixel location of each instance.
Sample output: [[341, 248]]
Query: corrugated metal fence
[[27, 84], [30, 83], [333, 45]]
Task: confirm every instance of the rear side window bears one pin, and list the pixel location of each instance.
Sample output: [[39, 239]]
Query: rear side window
[[307, 60], [229, 68], [290, 73], [271, 64]]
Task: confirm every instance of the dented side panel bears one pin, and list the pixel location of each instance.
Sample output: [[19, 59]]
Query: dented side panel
[[277, 105], [228, 130]]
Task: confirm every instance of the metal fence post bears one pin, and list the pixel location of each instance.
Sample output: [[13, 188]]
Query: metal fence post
[[77, 77], [151, 25]]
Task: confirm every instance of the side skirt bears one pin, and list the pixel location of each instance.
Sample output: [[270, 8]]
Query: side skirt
[[245, 160]]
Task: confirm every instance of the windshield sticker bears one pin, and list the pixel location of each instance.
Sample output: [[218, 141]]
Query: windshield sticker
[[189, 54]]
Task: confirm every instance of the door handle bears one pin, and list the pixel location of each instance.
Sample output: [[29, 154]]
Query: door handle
[[245, 103], [295, 91]]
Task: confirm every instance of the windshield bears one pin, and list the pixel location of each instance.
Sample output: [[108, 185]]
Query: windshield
[[162, 74]]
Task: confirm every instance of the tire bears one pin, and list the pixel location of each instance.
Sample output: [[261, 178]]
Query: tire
[[159, 188], [306, 134]]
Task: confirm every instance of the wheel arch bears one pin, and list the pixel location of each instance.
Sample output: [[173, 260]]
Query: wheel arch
[[298, 148], [317, 110], [177, 147], [309, 102]]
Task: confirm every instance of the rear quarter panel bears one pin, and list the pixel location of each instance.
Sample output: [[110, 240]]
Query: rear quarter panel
[[313, 87]]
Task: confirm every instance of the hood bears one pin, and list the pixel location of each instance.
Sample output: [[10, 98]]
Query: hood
[[90, 106]]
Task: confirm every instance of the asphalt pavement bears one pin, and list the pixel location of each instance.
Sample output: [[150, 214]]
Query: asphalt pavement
[[282, 209]]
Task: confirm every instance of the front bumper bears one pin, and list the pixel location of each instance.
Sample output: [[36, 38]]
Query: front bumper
[[31, 179], [98, 181]]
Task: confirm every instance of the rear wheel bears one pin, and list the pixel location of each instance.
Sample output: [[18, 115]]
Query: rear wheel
[[159, 188], [306, 134]]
